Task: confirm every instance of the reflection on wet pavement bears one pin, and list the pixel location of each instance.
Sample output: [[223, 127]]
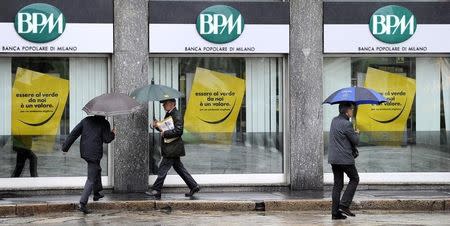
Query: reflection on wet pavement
[[165, 217]]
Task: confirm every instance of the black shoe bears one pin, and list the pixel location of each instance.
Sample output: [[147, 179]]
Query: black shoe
[[84, 209], [192, 191], [154, 193], [98, 196], [346, 211], [338, 216]]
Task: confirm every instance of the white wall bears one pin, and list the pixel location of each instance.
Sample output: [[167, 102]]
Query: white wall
[[336, 75], [5, 96], [88, 78], [428, 95], [165, 72], [261, 98]]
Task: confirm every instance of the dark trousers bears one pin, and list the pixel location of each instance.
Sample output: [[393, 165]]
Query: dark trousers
[[22, 156], [338, 172], [93, 182], [164, 168]]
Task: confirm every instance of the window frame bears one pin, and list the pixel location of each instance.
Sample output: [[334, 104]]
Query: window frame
[[282, 179], [76, 182], [392, 178]]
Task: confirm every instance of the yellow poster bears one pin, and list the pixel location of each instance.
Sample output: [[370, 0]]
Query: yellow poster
[[38, 102], [388, 119], [214, 103]]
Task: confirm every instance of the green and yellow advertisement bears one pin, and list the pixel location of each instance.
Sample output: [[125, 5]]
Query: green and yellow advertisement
[[387, 121], [38, 102], [214, 104]]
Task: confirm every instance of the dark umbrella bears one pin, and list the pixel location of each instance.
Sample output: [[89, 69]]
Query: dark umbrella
[[155, 92], [111, 104], [356, 95]]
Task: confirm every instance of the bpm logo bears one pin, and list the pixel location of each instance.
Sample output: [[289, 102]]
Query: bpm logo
[[393, 24], [39, 23], [220, 24]]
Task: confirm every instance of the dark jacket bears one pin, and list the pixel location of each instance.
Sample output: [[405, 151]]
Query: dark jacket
[[175, 148], [343, 140], [94, 131]]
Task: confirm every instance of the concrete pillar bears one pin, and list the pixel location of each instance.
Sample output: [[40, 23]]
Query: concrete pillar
[[305, 91], [130, 70]]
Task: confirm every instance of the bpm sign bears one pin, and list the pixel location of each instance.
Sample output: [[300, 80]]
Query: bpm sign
[[39, 23], [220, 24], [393, 24]]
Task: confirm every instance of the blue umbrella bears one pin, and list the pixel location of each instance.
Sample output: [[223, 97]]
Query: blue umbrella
[[356, 95]]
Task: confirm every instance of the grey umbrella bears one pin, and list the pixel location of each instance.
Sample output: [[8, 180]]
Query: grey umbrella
[[111, 104], [154, 92]]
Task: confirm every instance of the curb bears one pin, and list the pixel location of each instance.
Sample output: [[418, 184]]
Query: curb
[[211, 205]]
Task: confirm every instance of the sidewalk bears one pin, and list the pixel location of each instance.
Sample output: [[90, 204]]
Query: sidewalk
[[411, 200]]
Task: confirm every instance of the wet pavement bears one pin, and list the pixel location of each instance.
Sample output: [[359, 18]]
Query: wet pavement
[[7, 198], [168, 217], [63, 207]]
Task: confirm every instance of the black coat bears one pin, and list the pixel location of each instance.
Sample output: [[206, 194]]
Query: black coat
[[175, 148], [94, 131]]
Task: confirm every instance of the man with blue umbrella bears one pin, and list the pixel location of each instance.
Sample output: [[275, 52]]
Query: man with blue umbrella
[[342, 149], [341, 156]]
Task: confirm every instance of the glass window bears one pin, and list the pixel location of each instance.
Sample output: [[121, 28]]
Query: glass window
[[240, 103], [409, 133], [42, 98]]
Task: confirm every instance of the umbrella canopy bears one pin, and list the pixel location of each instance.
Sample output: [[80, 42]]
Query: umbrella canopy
[[155, 92], [356, 95], [111, 104]]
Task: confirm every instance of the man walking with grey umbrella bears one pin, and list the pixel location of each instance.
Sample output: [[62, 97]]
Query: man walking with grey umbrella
[[341, 155], [94, 130], [172, 148]]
